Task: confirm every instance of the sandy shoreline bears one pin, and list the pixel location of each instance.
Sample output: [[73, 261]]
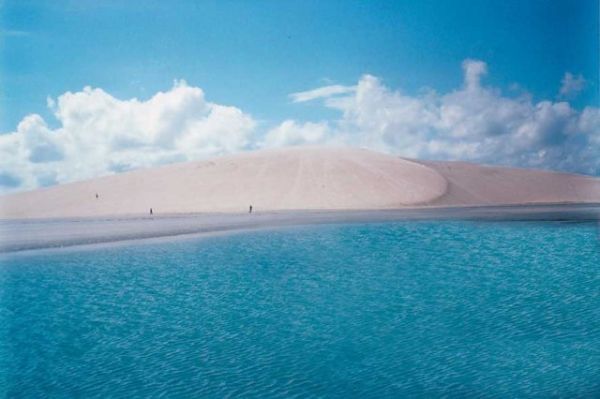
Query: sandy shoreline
[[35, 234], [287, 187]]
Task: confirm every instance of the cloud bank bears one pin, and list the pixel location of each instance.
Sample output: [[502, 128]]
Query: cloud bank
[[473, 123], [98, 134]]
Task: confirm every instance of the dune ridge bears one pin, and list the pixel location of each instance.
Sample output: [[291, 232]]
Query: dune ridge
[[300, 179]]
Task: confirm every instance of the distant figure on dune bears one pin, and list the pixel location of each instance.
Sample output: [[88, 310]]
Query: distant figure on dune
[[96, 195], [151, 211], [250, 210]]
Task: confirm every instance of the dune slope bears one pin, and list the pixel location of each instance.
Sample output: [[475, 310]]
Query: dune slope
[[299, 179], [475, 185]]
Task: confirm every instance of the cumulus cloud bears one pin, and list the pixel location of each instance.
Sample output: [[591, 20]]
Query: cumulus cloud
[[291, 133], [474, 122], [99, 134], [571, 85]]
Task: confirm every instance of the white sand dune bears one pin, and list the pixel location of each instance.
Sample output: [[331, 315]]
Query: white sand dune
[[300, 179], [474, 185]]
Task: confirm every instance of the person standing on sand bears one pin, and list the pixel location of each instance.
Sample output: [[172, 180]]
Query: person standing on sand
[[151, 211], [96, 195], [250, 210]]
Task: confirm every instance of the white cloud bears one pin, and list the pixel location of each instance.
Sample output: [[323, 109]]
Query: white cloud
[[473, 70], [571, 85], [292, 133], [321, 92], [475, 122], [99, 134]]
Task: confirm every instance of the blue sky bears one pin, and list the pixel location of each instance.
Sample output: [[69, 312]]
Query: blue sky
[[252, 55]]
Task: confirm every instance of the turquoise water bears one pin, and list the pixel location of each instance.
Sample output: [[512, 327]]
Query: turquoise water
[[418, 309]]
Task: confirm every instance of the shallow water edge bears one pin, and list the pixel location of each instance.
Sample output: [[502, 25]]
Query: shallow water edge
[[34, 234]]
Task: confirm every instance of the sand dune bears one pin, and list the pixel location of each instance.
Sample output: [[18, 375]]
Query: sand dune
[[300, 179], [473, 185]]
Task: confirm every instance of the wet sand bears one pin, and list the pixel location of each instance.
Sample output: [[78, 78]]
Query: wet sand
[[36, 234]]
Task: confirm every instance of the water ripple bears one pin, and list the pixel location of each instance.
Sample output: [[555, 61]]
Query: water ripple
[[418, 309]]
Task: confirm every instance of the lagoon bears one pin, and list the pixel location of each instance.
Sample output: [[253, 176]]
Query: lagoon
[[400, 309]]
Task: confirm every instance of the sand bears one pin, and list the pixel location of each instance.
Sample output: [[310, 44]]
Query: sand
[[336, 179], [288, 187], [479, 185], [25, 235]]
